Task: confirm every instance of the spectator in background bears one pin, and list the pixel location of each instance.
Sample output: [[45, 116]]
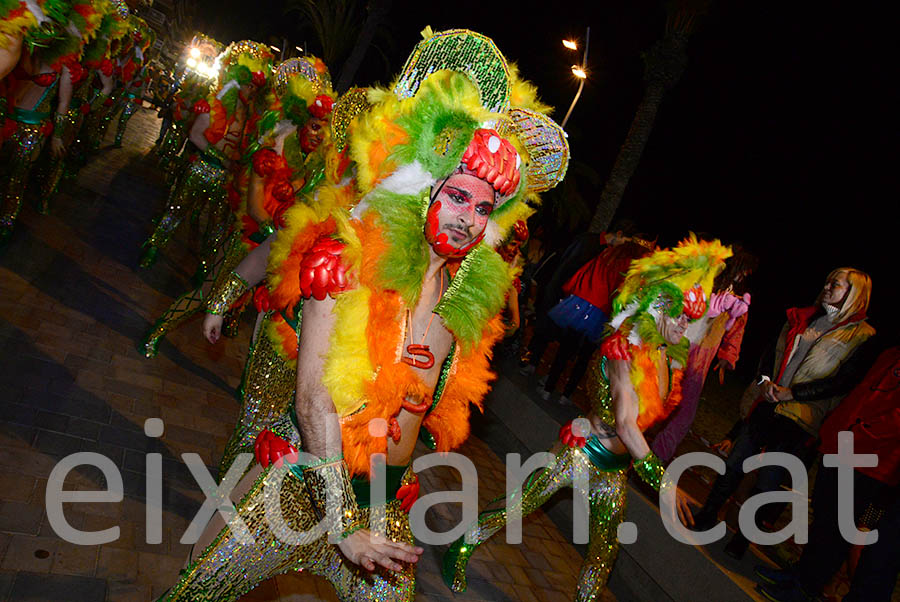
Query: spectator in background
[[872, 413], [583, 314], [717, 335], [548, 279], [790, 407]]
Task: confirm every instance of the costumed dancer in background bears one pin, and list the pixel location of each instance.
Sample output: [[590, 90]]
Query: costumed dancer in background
[[95, 60], [178, 117], [133, 68], [220, 136], [43, 75], [399, 322], [717, 335], [56, 159], [104, 101], [284, 171], [633, 382]]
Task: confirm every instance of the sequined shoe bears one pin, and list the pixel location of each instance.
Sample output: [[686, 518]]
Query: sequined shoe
[[456, 558], [150, 343], [148, 257], [200, 275]]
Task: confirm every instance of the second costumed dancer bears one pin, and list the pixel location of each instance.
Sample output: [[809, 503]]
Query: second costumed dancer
[[633, 382]]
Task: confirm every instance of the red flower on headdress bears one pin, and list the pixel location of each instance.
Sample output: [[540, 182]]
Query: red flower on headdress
[[107, 67], [321, 106], [322, 272], [259, 79], [694, 302], [494, 160], [201, 106]]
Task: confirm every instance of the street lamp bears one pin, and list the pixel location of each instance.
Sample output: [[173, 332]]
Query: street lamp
[[579, 71]]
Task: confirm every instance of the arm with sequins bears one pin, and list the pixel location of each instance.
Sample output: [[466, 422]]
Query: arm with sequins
[[247, 275]]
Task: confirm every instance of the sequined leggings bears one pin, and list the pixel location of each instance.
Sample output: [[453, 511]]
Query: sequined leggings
[[227, 569], [607, 510], [190, 303], [201, 183], [171, 144], [267, 390], [20, 154], [128, 110]]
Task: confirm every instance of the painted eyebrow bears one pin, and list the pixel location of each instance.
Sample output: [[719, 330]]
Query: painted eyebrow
[[461, 192]]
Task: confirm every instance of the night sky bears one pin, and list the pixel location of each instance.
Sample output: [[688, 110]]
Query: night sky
[[779, 134]]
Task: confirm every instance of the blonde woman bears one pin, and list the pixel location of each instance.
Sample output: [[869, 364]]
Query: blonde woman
[[795, 391]]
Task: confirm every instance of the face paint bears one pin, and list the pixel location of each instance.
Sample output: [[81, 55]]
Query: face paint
[[312, 134], [459, 214]]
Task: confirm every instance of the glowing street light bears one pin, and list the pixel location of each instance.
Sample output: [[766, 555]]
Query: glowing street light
[[298, 49], [579, 71], [192, 63], [195, 53], [275, 48]]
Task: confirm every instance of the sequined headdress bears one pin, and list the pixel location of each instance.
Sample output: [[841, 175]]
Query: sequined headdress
[[458, 101]]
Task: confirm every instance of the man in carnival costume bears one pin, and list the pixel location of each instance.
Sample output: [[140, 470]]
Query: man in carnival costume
[[633, 382], [289, 164], [220, 134], [103, 102], [44, 74], [72, 136], [402, 301], [188, 89], [133, 73]]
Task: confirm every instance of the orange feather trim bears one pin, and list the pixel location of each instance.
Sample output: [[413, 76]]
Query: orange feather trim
[[218, 123], [468, 383], [645, 378], [283, 336]]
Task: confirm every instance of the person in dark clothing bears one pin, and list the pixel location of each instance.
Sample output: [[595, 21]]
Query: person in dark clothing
[[872, 413], [552, 280]]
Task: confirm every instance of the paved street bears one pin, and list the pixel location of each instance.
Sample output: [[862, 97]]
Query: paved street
[[72, 307]]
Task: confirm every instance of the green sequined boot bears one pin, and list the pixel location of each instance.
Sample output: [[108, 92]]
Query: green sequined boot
[[456, 558], [148, 257]]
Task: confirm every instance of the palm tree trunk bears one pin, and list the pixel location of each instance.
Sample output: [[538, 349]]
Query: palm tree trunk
[[377, 11], [664, 64]]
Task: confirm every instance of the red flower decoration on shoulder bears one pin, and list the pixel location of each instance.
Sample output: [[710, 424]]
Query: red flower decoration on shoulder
[[322, 272], [264, 162], [615, 347]]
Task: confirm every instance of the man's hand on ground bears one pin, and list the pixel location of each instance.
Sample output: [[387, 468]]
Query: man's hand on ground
[[368, 550]]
